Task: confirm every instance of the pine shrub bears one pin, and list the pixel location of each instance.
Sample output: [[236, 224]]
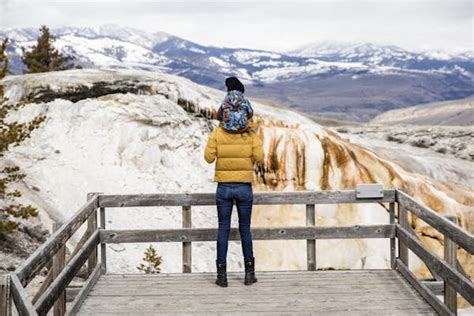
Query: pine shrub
[[152, 261]]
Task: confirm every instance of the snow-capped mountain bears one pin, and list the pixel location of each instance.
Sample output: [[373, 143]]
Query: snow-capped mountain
[[129, 131], [348, 50], [105, 46], [385, 55], [356, 81]]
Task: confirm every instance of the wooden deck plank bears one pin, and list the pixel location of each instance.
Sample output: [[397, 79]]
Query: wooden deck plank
[[137, 308], [263, 284], [258, 313], [354, 290], [270, 282], [321, 273], [277, 293], [273, 284], [300, 305], [322, 277], [307, 278]]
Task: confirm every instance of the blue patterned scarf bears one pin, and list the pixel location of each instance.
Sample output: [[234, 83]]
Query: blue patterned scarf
[[235, 112]]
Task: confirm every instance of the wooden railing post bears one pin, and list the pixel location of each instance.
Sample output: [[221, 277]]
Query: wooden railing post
[[91, 228], [450, 295], [403, 221], [59, 260], [103, 249], [5, 297], [187, 254], [392, 240], [310, 243]]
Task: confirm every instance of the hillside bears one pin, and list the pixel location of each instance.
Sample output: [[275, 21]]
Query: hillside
[[128, 131], [449, 113]]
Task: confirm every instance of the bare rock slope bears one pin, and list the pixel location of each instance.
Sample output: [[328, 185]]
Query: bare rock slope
[[449, 113]]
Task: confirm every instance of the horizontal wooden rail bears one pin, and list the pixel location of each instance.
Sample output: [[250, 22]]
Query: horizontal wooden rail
[[424, 291], [458, 281], [443, 225], [260, 198], [209, 234], [46, 301], [31, 266]]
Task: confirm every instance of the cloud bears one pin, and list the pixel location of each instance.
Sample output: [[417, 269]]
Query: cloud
[[280, 25]]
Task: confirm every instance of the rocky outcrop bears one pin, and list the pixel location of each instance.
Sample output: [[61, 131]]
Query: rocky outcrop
[[451, 141]]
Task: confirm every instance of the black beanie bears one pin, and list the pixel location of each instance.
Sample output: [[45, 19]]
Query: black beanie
[[232, 83]]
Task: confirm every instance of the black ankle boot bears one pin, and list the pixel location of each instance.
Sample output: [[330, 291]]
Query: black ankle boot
[[250, 272], [221, 274]]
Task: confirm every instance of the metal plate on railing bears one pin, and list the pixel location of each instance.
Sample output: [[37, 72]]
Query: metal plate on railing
[[369, 191]]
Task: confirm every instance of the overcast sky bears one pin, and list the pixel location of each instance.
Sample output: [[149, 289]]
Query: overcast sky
[[411, 24]]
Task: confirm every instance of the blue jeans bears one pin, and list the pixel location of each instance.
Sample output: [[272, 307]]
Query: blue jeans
[[225, 195]]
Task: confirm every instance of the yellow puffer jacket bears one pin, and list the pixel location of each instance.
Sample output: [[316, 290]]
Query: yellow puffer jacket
[[235, 155]]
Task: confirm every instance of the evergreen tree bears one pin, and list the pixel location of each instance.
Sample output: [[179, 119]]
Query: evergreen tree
[[3, 60], [11, 134], [152, 261], [43, 57]]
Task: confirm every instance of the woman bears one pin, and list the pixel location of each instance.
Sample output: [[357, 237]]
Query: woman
[[236, 153]]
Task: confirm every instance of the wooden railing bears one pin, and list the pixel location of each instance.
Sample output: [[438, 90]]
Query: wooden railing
[[454, 278], [51, 253]]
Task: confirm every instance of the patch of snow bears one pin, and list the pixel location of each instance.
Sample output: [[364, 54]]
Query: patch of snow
[[197, 50], [276, 74], [251, 57], [274, 63], [106, 51], [219, 62], [438, 55]]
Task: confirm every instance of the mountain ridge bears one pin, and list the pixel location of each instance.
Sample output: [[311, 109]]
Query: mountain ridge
[[347, 86]]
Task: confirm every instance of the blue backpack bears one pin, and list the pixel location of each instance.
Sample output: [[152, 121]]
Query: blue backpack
[[235, 112]]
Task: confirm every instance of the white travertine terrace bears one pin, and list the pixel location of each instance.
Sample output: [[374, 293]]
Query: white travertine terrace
[[151, 140]]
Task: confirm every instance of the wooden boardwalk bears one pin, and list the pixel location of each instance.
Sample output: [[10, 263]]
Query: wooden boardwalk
[[354, 292], [396, 291]]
